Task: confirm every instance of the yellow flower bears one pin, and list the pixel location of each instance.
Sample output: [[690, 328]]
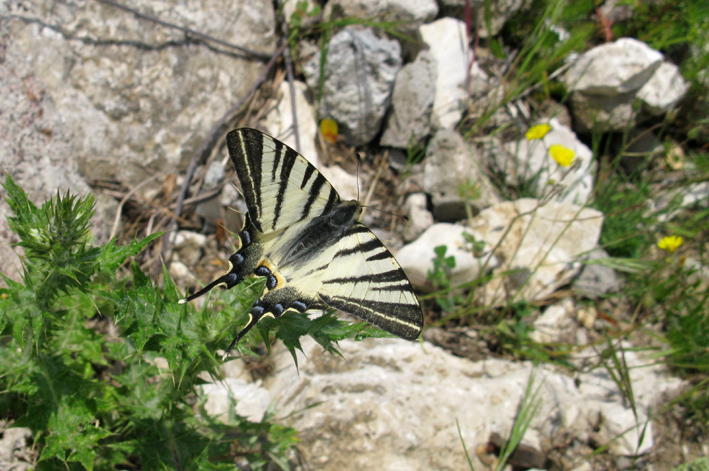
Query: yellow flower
[[670, 243], [328, 128], [563, 155], [538, 131]]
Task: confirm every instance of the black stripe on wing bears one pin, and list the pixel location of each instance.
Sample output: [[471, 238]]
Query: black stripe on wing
[[319, 182], [391, 276], [246, 150], [289, 159], [403, 320], [368, 246]]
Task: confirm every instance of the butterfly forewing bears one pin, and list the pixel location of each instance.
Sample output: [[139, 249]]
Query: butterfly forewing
[[279, 185]]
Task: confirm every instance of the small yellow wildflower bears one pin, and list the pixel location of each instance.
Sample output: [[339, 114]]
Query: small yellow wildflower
[[538, 131], [670, 243], [328, 128], [563, 155]]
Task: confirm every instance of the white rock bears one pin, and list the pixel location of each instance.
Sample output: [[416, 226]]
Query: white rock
[[663, 90], [179, 271], [614, 68], [554, 323], [15, 448], [188, 246], [542, 246], [417, 257], [397, 403], [689, 195], [530, 161], [623, 432], [448, 43], [420, 218], [344, 183], [279, 121], [587, 316], [214, 174], [252, 400]]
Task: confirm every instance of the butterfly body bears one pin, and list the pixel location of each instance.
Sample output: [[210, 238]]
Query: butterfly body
[[308, 244]]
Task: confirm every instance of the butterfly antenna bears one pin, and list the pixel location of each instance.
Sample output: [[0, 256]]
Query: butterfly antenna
[[359, 159]]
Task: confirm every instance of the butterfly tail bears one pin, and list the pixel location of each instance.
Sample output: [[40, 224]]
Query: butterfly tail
[[255, 316], [228, 281]]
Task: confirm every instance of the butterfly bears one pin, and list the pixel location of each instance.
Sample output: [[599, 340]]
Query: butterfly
[[309, 245]]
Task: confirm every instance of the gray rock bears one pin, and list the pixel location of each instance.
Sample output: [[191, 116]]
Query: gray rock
[[358, 80], [15, 449], [211, 212], [451, 164], [409, 120], [599, 113], [596, 280], [36, 148], [637, 147], [136, 97]]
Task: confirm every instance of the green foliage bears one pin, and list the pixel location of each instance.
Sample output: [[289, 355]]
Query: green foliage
[[700, 464], [541, 52], [297, 23], [683, 297], [666, 25], [440, 277], [96, 401], [326, 330], [624, 232], [527, 410]]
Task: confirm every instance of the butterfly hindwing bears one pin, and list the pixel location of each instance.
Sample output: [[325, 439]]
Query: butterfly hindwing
[[307, 243], [365, 280]]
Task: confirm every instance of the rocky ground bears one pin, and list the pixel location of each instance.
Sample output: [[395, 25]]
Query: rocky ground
[[94, 98]]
